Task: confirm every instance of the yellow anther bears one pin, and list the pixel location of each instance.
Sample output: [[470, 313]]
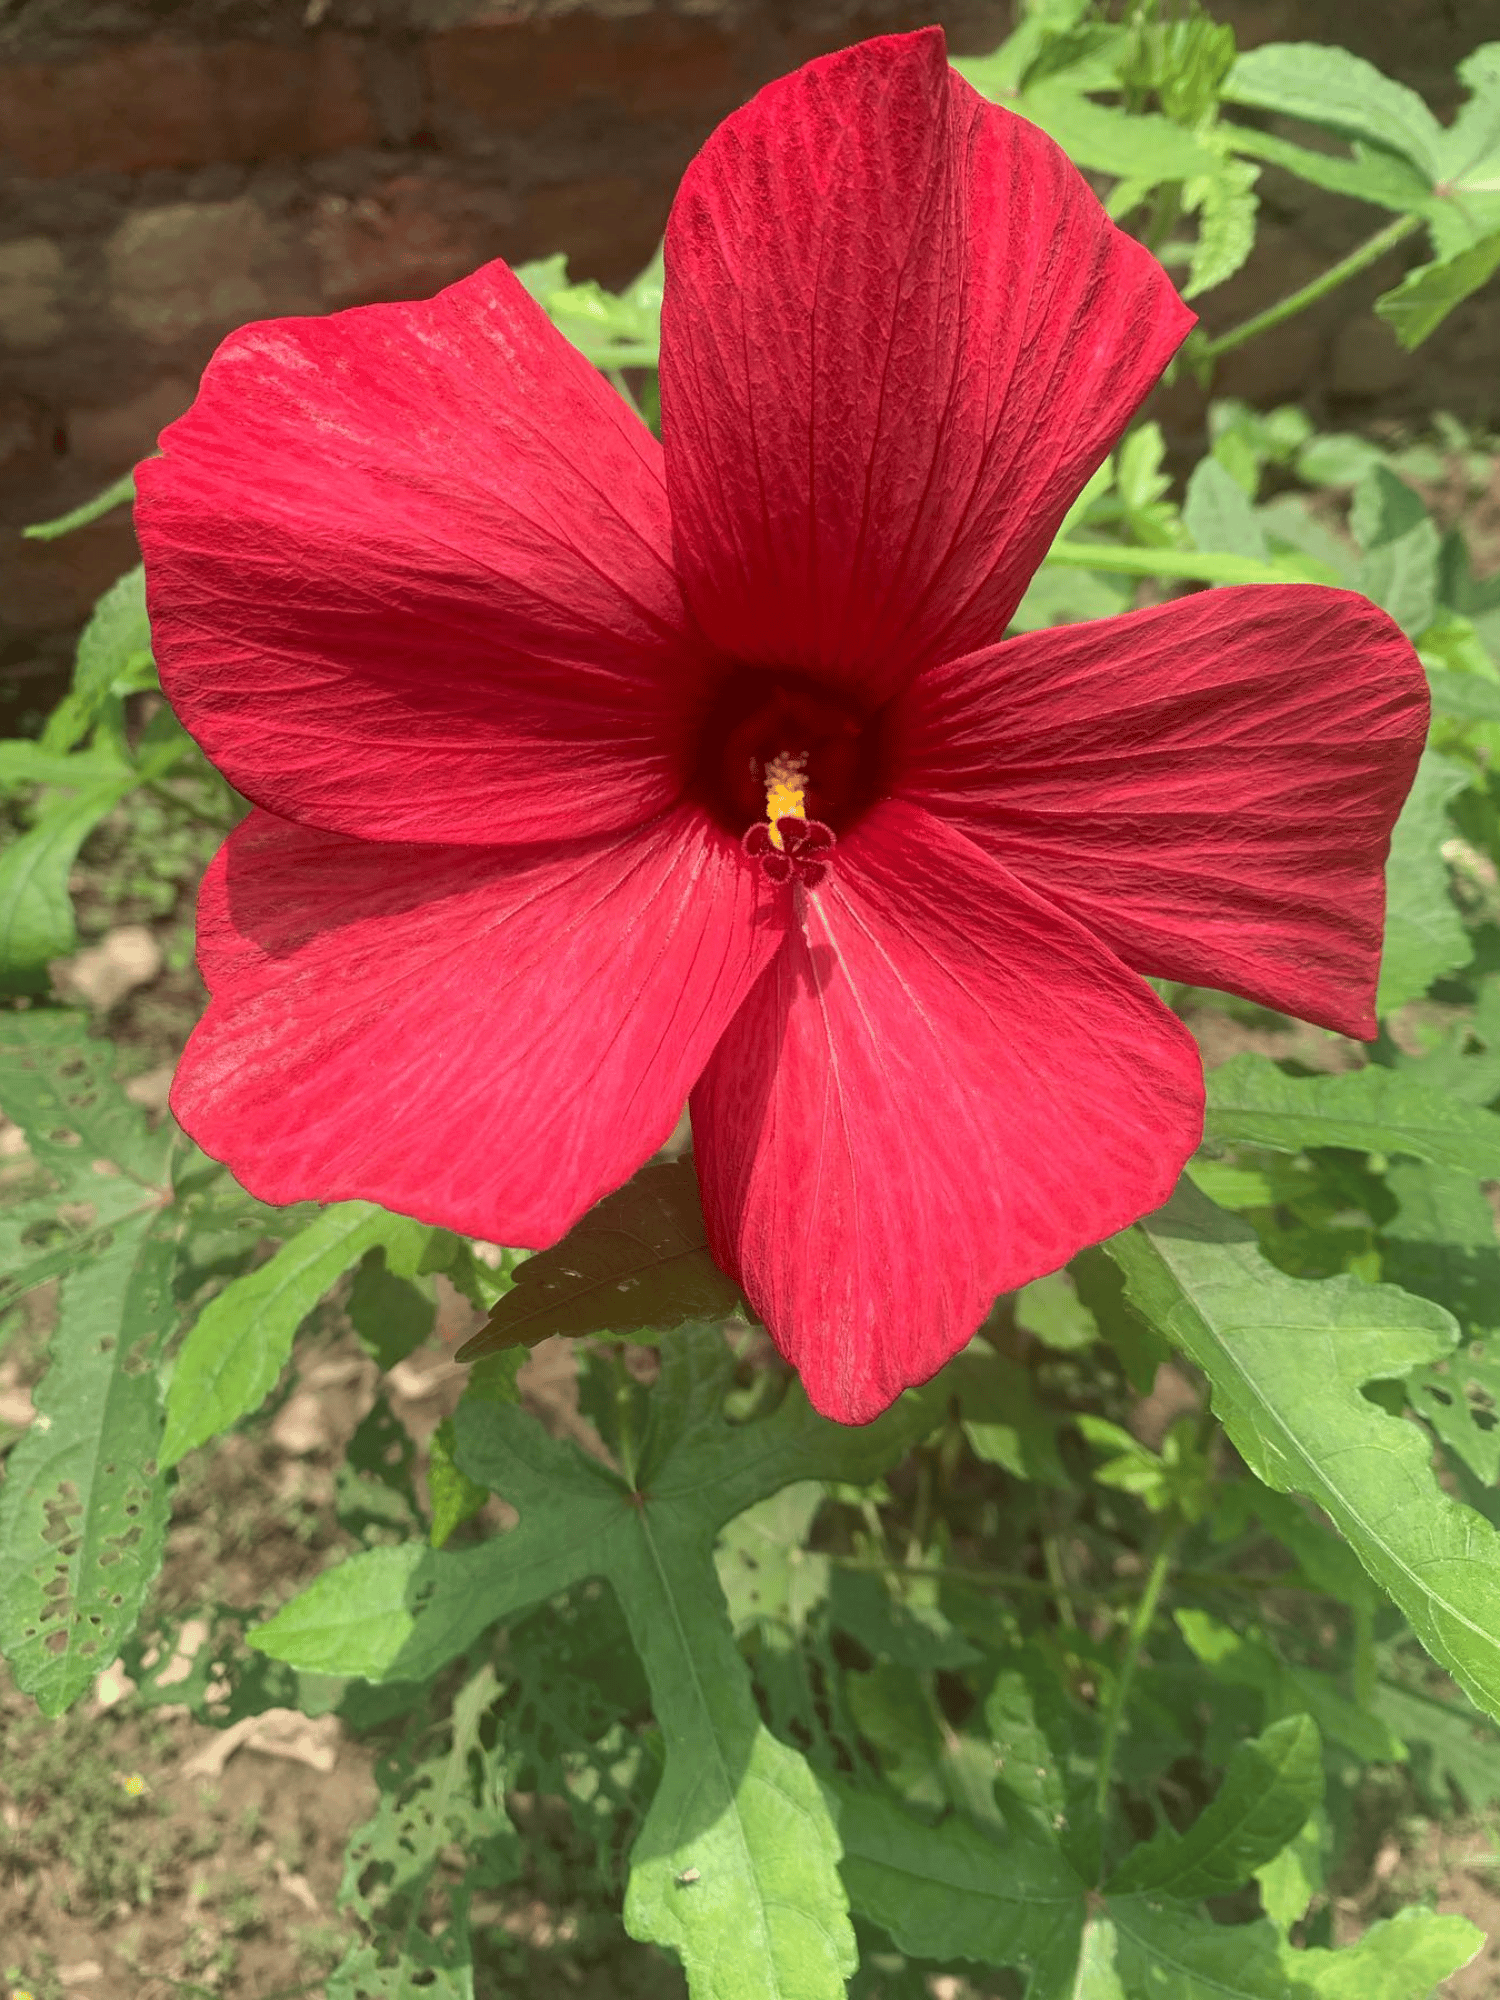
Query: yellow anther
[[786, 791]]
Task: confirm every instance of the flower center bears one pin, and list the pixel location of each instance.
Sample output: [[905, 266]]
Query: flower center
[[787, 766]]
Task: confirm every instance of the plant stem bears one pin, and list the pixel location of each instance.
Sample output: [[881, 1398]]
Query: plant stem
[[1191, 565], [1360, 259], [164, 792], [1135, 1639]]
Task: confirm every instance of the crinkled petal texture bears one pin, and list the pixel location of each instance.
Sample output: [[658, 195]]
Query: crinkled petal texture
[[410, 576], [899, 333], [486, 1039], [941, 1088], [1209, 785]]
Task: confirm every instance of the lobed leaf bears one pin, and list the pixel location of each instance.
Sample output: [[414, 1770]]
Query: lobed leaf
[[1373, 1110], [1340, 92], [735, 1867], [1287, 1361]]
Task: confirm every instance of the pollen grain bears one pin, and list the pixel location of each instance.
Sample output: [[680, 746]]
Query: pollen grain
[[786, 791]]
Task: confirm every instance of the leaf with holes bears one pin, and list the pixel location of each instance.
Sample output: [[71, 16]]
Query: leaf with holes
[[243, 1339], [98, 1164], [393, 1866], [637, 1261], [83, 1512], [735, 1867]]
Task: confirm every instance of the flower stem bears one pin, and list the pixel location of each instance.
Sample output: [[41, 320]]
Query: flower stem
[[1191, 565], [1359, 259], [1135, 1639]]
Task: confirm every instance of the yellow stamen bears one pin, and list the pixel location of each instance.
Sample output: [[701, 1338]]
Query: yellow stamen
[[786, 791]]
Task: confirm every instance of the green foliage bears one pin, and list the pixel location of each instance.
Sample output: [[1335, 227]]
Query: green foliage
[[737, 1815], [1036, 1672], [241, 1342], [1287, 1361]]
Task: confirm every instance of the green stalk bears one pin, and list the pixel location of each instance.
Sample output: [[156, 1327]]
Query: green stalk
[[1360, 259], [1135, 1639], [1191, 565]]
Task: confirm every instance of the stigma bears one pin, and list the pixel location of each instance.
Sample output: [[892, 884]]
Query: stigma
[[786, 793]]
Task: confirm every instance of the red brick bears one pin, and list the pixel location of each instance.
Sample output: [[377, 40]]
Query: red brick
[[511, 75], [608, 227], [164, 103], [406, 239]]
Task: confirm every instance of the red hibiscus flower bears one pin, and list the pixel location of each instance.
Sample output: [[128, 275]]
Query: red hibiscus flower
[[592, 772]]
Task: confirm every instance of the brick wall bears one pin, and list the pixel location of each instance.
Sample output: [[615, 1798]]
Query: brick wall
[[167, 172]]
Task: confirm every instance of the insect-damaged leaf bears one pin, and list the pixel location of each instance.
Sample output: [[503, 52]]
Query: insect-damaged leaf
[[638, 1259]]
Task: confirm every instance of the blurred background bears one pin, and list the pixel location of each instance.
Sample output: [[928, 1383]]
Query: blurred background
[[172, 168]]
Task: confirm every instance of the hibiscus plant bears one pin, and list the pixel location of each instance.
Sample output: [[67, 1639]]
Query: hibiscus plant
[[1028, 1446]]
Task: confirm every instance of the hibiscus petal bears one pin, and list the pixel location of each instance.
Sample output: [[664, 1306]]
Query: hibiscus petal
[[489, 1039], [409, 576], [940, 1089], [899, 334], [1209, 785]]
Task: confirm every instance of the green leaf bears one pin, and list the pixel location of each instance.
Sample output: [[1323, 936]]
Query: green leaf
[[1226, 205], [949, 1891], [1425, 938], [1401, 576], [1342, 93], [114, 655], [1451, 1745], [1441, 1242], [612, 329], [1050, 1309], [391, 1315], [1404, 1958], [1170, 1953], [36, 911], [1287, 1361], [735, 1866], [56, 1083], [454, 1495], [83, 1513], [1003, 1420], [1460, 1398], [23, 762], [115, 495], [242, 1340], [1468, 697], [638, 1260], [765, 1567], [1270, 1787], [1134, 146], [1244, 1660], [1401, 544], [1424, 298], [1384, 179], [1289, 1880], [394, 1864], [1373, 1110], [1218, 514]]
